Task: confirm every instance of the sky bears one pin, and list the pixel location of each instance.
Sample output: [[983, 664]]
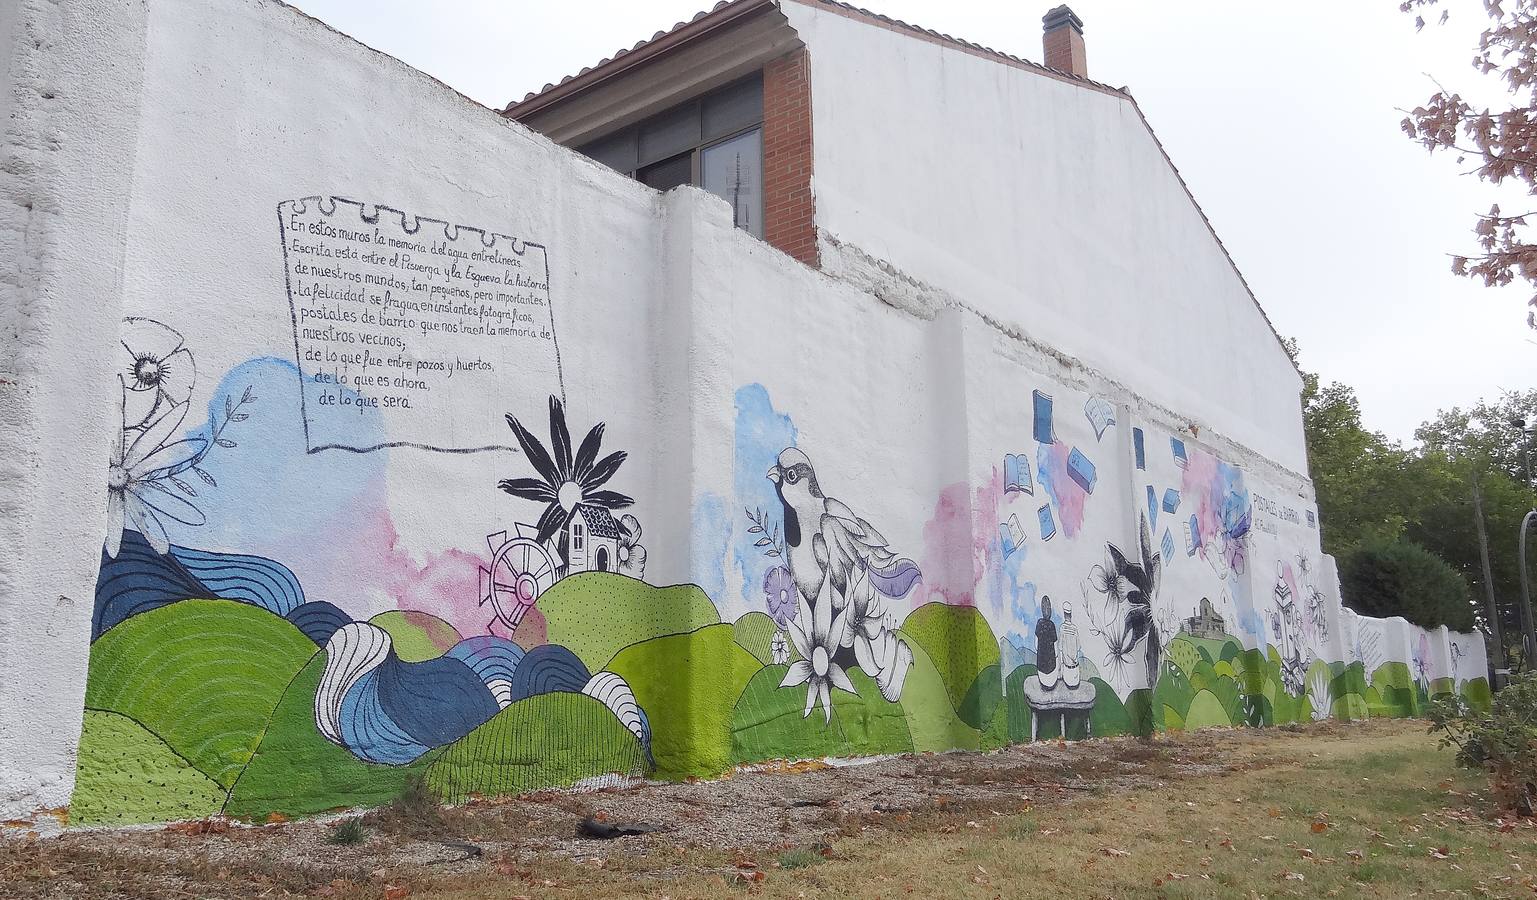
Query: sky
[[1282, 118]]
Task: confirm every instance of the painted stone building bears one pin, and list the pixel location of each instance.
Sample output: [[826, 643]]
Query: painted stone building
[[335, 405]]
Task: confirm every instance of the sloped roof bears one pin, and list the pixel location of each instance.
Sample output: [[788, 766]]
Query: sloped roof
[[728, 12], [600, 522]]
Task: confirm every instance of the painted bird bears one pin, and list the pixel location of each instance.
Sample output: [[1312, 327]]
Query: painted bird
[[825, 541]]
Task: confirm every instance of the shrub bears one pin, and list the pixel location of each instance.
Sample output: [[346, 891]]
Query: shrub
[[1502, 741], [349, 831], [1398, 578]]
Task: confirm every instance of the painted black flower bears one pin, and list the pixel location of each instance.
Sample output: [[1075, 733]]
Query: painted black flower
[[565, 480]]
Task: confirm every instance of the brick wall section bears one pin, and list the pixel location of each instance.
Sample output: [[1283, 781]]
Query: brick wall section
[[789, 210]]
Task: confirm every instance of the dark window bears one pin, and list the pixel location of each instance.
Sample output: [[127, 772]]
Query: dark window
[[669, 173], [714, 141]]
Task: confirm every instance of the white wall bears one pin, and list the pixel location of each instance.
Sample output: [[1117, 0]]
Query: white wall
[[1046, 206], [131, 196], [70, 77]]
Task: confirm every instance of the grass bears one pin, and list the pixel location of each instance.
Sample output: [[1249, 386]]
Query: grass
[[1377, 811], [1374, 810]]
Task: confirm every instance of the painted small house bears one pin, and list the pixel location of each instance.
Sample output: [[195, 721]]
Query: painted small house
[[592, 537]]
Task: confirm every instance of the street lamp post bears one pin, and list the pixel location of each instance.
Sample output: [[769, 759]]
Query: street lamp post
[[1528, 620]]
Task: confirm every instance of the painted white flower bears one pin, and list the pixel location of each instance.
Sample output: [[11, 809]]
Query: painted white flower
[[139, 491], [632, 555], [880, 654], [1319, 695], [779, 648], [160, 372], [817, 634]]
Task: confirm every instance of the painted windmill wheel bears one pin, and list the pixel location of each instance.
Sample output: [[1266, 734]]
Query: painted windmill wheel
[[521, 569]]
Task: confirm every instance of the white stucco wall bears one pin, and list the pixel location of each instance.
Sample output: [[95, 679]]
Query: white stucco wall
[[1047, 206], [139, 209], [70, 75]]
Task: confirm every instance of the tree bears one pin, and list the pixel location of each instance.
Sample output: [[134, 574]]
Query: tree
[[1400, 578], [1500, 142], [1371, 490], [1357, 474]]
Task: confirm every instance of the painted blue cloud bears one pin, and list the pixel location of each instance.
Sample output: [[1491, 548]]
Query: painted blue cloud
[[761, 433]]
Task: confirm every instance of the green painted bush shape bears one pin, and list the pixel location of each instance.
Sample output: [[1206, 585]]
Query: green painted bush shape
[[1350, 680], [982, 699], [1206, 711], [296, 771], [1139, 711], [202, 675], [598, 614], [1476, 694], [416, 636], [1017, 710], [1173, 691], [1110, 716], [768, 721], [1227, 693], [1350, 707], [545, 741], [957, 640], [127, 776], [1185, 654], [755, 632], [688, 684], [996, 735], [875, 725], [1393, 674], [1252, 670], [1204, 676], [931, 719]]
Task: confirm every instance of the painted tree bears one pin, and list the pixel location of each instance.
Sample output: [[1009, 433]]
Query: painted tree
[[1500, 142]]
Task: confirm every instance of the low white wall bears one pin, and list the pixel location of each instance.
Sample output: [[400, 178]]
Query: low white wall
[[188, 267]]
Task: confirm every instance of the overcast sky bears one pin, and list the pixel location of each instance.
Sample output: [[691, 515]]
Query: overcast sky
[[1283, 119]]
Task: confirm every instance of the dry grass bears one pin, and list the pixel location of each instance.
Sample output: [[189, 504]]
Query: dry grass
[[1335, 810]]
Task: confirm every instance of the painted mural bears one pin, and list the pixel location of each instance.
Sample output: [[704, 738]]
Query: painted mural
[[1099, 575]]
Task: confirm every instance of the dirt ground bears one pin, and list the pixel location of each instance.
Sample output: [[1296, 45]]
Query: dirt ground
[[731, 832]]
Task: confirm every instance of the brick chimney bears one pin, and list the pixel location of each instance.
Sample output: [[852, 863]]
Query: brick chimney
[[1064, 42]]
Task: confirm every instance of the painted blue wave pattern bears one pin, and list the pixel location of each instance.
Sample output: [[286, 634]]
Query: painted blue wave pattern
[[436, 702], [137, 581], [546, 669], [140, 580], [379, 708], [368, 731], [252, 579], [493, 659], [318, 620]]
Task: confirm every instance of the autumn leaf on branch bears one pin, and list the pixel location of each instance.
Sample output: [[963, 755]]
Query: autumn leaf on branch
[[1500, 144]]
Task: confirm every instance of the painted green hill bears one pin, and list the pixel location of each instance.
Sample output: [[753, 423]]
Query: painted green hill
[[688, 685], [931, 717], [202, 675], [549, 740], [597, 614], [126, 776], [957, 640], [296, 771], [755, 632], [768, 721], [416, 636]]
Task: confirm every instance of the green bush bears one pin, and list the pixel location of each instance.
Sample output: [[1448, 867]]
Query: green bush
[[1502, 741], [1397, 578]]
